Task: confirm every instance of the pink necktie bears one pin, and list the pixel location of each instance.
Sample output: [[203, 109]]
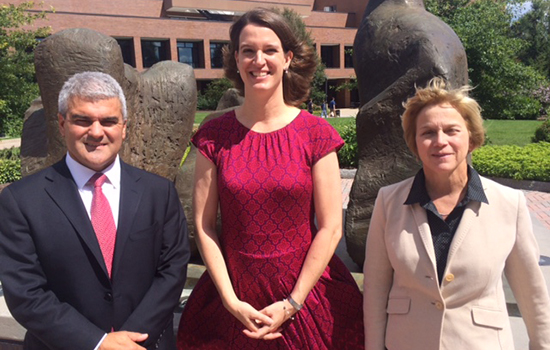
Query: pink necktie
[[102, 220]]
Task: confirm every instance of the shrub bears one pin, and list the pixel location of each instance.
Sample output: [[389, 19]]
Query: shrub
[[208, 100], [543, 95], [12, 153], [10, 170], [10, 164], [542, 133], [518, 106], [347, 156], [531, 162]]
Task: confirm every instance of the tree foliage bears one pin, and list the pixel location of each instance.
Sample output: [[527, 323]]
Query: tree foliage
[[534, 28], [504, 86], [17, 76]]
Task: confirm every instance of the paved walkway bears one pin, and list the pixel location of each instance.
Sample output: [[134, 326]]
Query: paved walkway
[[348, 112], [346, 188], [9, 143], [539, 205]]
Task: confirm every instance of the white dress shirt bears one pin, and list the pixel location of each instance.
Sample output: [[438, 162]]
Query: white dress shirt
[[111, 187]]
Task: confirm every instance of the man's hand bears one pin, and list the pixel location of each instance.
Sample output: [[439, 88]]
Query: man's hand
[[123, 341]]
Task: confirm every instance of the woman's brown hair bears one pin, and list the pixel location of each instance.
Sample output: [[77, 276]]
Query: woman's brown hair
[[297, 80]]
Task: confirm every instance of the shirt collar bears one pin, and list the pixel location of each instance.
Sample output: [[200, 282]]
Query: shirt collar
[[474, 192], [82, 174]]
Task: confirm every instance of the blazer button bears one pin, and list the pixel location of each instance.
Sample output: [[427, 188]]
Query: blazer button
[[439, 305], [108, 297], [450, 277]]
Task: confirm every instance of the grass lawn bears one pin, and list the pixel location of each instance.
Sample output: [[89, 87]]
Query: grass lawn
[[510, 132], [338, 123], [200, 115]]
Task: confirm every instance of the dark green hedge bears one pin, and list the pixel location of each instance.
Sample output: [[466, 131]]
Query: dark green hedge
[[10, 170], [10, 165], [531, 162]]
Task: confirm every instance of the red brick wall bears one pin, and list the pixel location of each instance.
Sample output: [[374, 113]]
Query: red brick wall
[[145, 19]]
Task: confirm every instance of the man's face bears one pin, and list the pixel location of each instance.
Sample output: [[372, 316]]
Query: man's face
[[93, 131]]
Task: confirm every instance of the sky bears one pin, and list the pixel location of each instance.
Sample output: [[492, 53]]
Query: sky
[[521, 9]]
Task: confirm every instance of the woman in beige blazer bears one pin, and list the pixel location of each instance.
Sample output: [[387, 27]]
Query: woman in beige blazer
[[439, 243]]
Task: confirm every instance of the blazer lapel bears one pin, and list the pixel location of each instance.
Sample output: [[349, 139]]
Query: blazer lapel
[[468, 219], [130, 197], [64, 192], [421, 219]]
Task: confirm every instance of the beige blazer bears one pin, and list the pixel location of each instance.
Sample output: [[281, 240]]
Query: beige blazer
[[405, 308]]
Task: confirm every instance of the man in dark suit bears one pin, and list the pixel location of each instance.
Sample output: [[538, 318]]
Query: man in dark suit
[[89, 264]]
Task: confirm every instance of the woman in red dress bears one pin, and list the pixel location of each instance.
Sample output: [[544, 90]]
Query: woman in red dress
[[273, 280]]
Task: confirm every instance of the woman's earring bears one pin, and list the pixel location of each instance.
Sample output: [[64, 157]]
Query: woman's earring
[[238, 72]]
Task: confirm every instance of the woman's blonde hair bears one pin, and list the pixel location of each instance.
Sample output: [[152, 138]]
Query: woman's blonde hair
[[438, 92]]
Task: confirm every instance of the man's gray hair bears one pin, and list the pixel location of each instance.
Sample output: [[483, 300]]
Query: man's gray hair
[[93, 86]]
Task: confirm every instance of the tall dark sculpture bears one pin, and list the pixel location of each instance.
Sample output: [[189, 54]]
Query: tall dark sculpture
[[161, 101], [59, 57], [164, 107], [161, 105], [398, 45], [34, 139]]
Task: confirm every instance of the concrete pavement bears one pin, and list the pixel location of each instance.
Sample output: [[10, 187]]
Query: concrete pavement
[[9, 143]]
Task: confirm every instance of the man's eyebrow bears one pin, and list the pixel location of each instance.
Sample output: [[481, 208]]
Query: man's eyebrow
[[79, 116], [109, 118]]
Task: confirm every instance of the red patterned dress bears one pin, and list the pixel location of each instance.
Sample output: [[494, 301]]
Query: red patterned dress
[[266, 201]]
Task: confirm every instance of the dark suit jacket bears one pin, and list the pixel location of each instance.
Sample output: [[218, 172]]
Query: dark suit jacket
[[53, 274]]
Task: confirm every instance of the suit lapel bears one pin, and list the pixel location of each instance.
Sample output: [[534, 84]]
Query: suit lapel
[[130, 197], [64, 192], [421, 219], [468, 219]]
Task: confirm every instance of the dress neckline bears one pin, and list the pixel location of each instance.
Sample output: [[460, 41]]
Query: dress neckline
[[269, 132]]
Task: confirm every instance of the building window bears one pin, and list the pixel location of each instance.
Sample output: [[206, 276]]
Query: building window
[[127, 49], [154, 51], [330, 55], [216, 54], [348, 56], [190, 52]]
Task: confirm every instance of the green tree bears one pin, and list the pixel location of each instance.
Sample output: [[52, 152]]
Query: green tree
[[352, 83], [17, 76], [504, 86], [444, 8], [317, 92], [534, 28]]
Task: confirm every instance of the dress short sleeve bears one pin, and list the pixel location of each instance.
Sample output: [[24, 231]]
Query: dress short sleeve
[[325, 140], [204, 140]]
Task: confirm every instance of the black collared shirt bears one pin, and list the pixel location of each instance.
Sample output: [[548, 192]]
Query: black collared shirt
[[443, 230]]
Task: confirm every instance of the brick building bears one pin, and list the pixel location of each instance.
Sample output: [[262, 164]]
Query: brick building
[[193, 31]]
